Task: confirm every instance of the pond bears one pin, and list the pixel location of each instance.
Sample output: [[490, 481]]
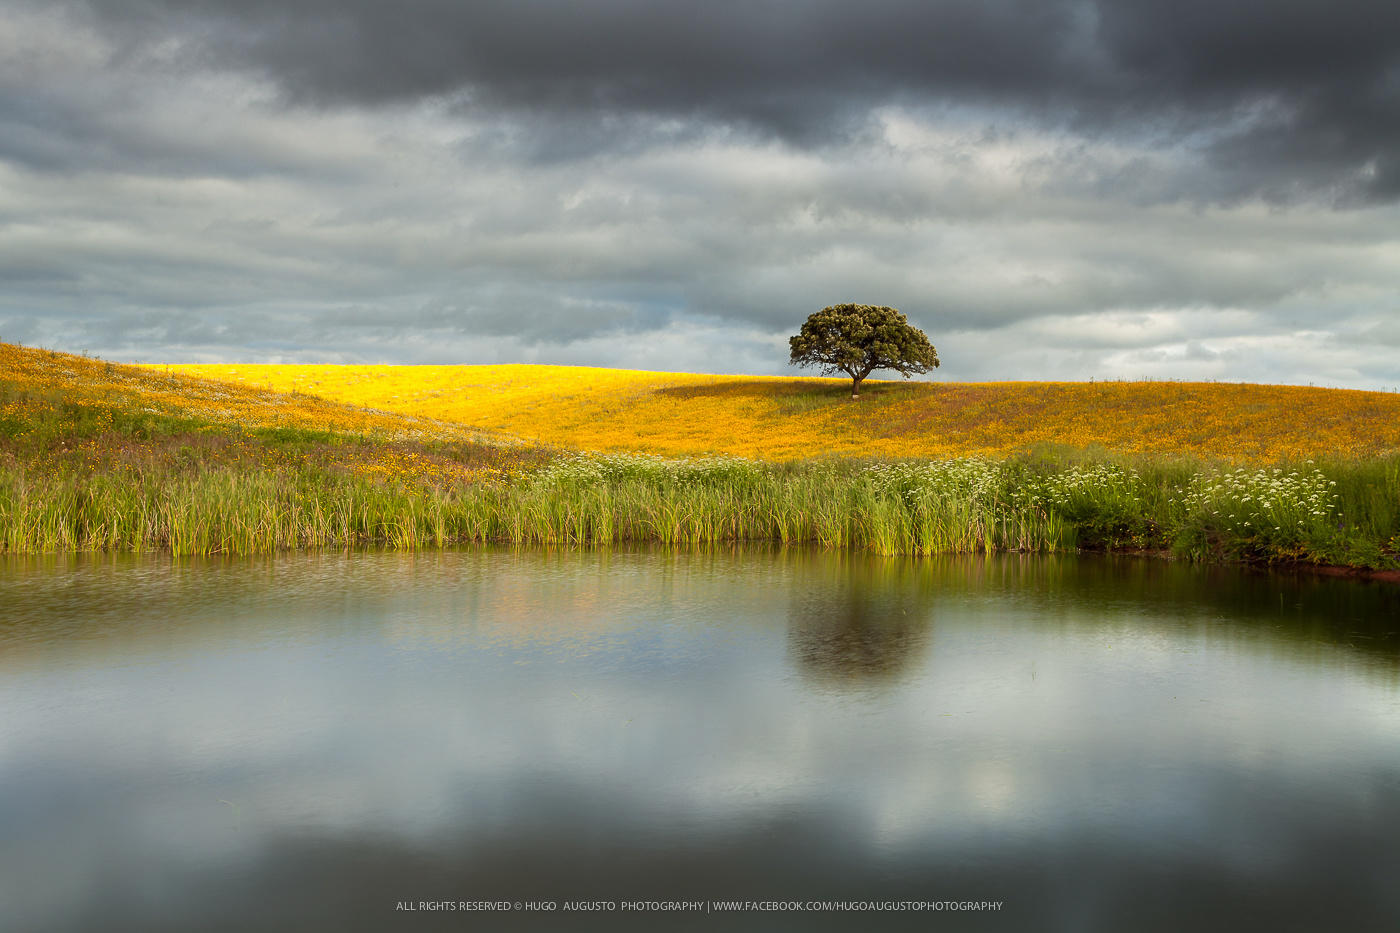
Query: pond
[[505, 739]]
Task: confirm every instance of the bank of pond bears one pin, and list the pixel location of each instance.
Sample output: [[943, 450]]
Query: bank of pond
[[1345, 512]]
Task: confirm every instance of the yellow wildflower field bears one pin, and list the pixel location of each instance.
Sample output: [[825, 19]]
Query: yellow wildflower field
[[75, 405], [31, 379], [782, 418]]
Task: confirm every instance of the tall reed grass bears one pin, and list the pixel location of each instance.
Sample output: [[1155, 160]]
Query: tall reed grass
[[1346, 512]]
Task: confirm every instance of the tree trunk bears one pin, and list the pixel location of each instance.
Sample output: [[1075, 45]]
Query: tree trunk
[[855, 386]]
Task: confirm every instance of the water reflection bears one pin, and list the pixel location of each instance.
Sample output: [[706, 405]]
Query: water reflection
[[857, 619], [304, 741]]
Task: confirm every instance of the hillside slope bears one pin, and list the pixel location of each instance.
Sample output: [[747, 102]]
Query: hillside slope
[[100, 457], [61, 412], [794, 418], [96, 456]]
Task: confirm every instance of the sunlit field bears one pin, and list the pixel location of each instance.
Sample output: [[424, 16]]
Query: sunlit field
[[97, 456], [85, 410], [779, 418]]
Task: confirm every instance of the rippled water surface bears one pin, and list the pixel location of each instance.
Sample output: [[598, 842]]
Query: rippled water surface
[[320, 741]]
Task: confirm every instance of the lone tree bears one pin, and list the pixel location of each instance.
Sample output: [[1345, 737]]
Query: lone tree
[[859, 339]]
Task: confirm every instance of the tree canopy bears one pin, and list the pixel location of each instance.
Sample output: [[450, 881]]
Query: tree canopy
[[859, 339]]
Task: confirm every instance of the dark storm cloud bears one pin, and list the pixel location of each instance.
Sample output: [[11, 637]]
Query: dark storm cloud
[[778, 63], [1284, 98]]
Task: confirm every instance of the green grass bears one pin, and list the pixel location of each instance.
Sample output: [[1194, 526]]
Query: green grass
[[102, 472], [1337, 513]]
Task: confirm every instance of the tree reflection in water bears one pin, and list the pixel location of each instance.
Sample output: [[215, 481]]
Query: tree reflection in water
[[858, 619]]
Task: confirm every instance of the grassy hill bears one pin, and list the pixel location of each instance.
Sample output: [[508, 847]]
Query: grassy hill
[[778, 418], [96, 456]]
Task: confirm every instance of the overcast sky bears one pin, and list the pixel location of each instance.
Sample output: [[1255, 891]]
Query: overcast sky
[[1190, 189]]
